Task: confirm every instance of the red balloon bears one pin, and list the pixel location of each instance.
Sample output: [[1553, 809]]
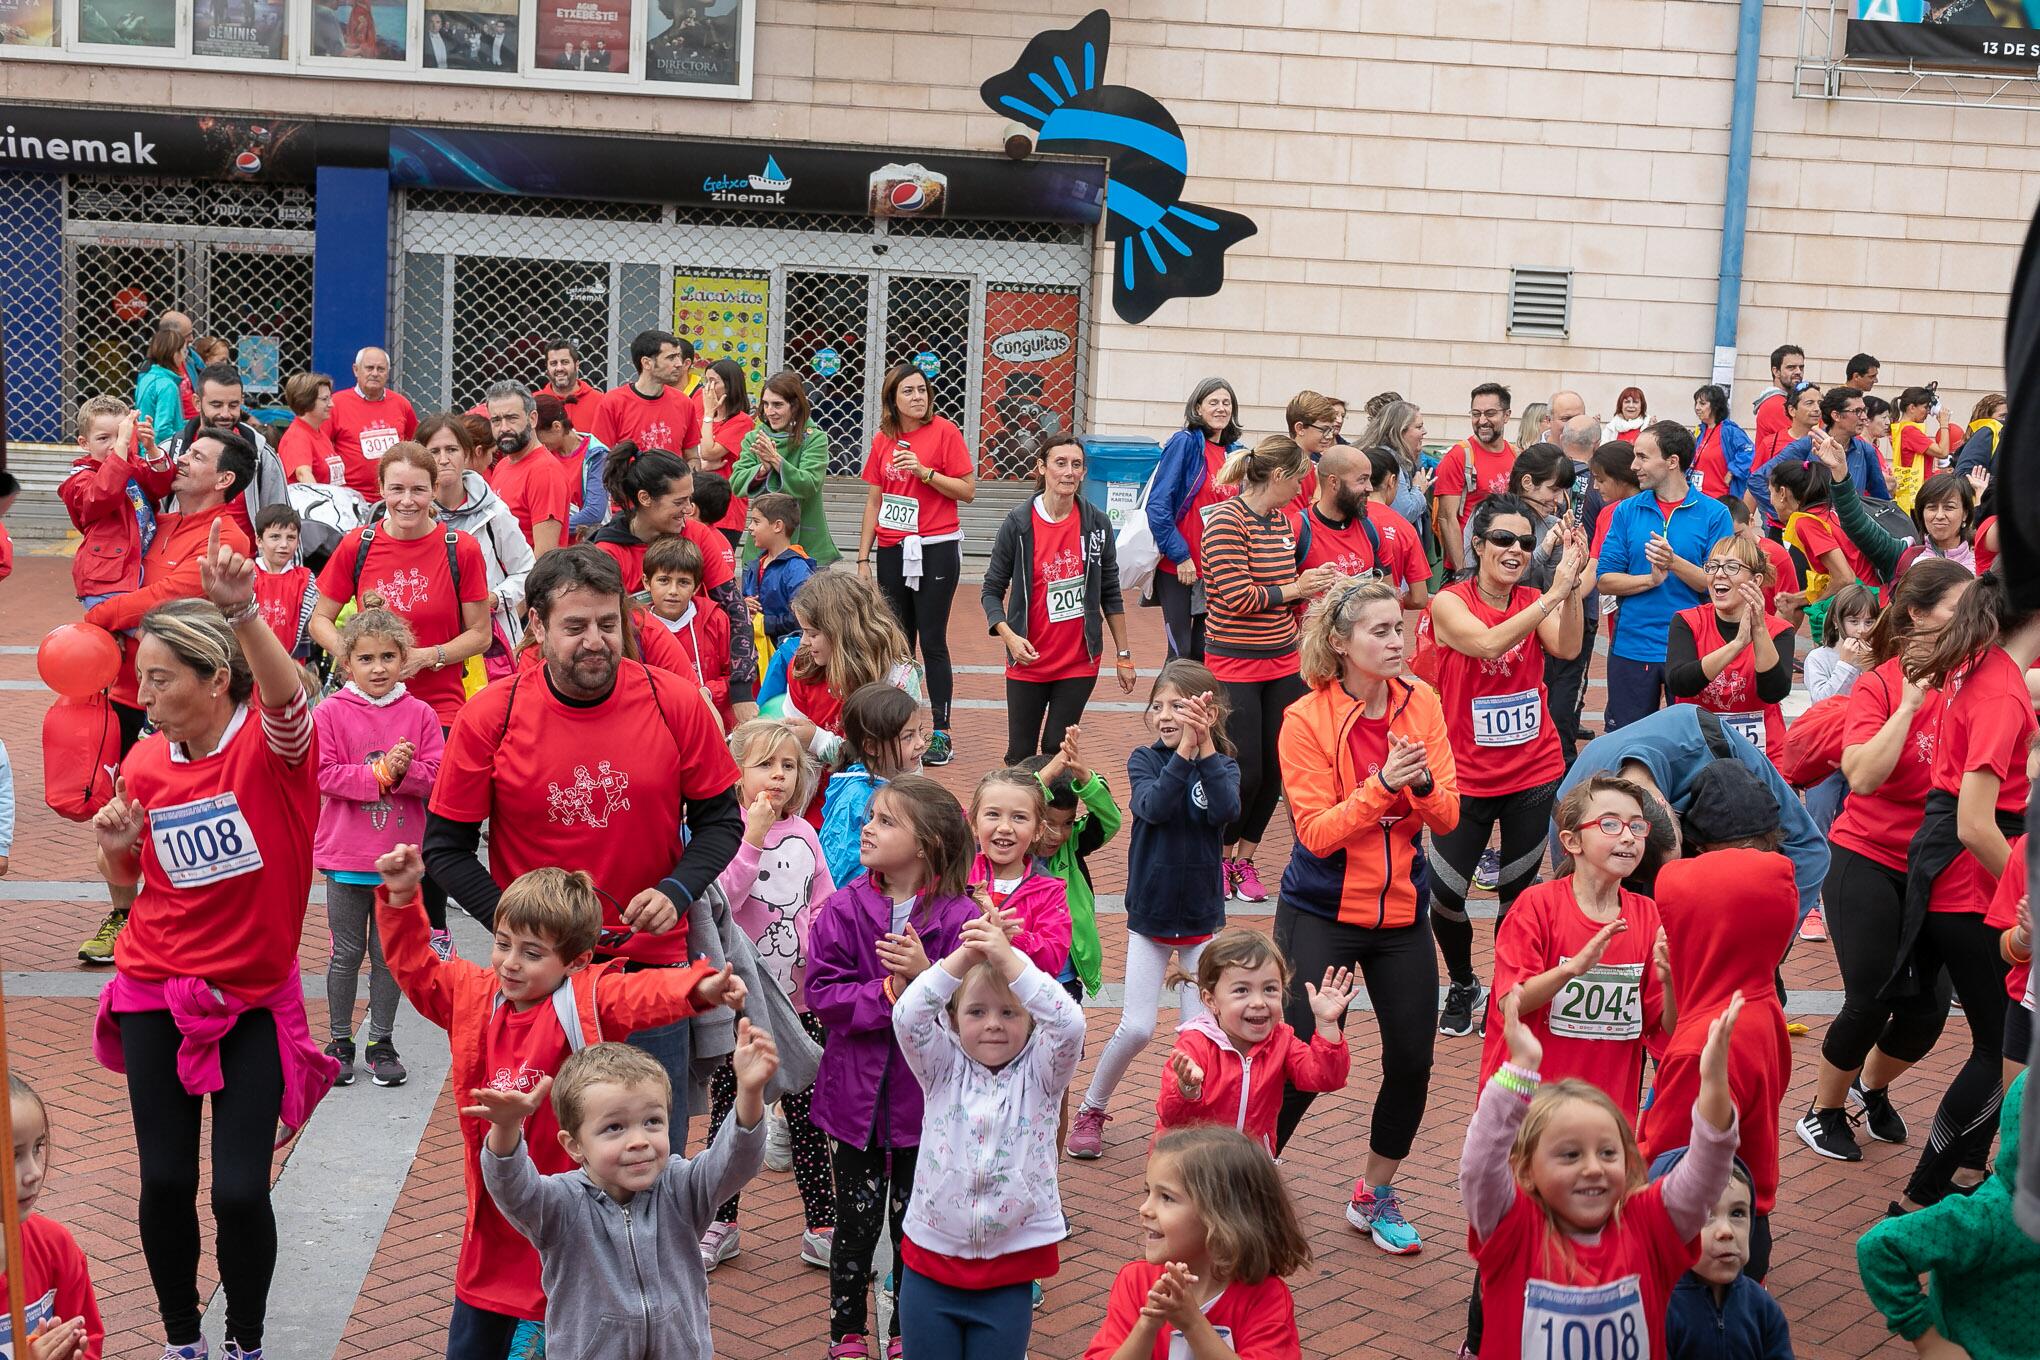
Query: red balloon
[[78, 660]]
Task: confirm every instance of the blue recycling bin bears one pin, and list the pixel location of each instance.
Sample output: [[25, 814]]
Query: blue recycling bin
[[1116, 467]]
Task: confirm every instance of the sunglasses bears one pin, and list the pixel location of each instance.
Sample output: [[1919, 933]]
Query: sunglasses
[[1502, 538], [1611, 825]]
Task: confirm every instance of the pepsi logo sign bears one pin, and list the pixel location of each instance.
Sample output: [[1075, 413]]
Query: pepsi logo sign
[[247, 163], [907, 196], [1032, 346]]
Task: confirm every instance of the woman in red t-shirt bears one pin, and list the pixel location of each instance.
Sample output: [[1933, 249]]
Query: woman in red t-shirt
[[1978, 801], [213, 816], [1050, 591], [1729, 656], [725, 420], [1483, 643], [1887, 758], [305, 450], [919, 471]]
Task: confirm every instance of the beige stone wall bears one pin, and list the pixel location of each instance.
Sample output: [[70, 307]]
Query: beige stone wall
[[1398, 157]]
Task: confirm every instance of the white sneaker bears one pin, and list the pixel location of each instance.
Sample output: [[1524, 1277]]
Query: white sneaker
[[718, 1244], [817, 1245], [778, 1141]]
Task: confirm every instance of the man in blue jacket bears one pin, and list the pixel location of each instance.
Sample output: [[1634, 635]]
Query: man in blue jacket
[[1842, 414], [1654, 559]]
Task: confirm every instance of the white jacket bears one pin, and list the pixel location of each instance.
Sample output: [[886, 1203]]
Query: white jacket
[[505, 551], [985, 1184]]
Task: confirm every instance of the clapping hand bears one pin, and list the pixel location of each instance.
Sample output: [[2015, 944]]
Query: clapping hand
[[903, 954], [988, 937], [1189, 1076], [1589, 957], [1330, 998], [57, 1339], [1072, 758], [1751, 595], [506, 1109], [1407, 762], [1173, 1299]]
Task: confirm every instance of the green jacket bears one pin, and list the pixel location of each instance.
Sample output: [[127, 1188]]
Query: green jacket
[[1098, 821], [801, 475], [1882, 550], [1981, 1269]]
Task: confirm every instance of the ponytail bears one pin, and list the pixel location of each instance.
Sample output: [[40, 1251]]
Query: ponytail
[[1987, 612], [631, 471], [1808, 481], [1278, 454]]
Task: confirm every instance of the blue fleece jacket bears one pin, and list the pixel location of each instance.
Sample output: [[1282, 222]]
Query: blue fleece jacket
[[1747, 1324], [1179, 476], [772, 583], [1180, 812]]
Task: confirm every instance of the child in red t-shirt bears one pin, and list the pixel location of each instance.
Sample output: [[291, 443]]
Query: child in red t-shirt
[[2010, 916], [284, 589], [509, 1025], [673, 570], [1568, 1237], [59, 1308], [1220, 1235]]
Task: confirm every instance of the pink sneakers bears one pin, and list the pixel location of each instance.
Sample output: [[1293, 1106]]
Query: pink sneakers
[[1087, 1133], [1813, 927], [1246, 884]]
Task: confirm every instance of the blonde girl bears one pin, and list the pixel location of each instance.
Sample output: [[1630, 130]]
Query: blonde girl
[[849, 639]]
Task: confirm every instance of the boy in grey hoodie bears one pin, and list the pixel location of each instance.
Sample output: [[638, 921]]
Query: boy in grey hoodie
[[619, 1240]]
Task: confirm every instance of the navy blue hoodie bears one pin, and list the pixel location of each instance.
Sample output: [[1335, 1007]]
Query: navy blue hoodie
[[1748, 1325], [1175, 886]]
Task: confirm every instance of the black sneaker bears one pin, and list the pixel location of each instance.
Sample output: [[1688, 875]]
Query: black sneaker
[[342, 1052], [1827, 1132], [939, 751], [1883, 1120], [383, 1067], [1462, 1000]]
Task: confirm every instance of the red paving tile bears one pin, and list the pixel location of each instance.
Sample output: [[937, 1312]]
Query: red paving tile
[[1351, 1301]]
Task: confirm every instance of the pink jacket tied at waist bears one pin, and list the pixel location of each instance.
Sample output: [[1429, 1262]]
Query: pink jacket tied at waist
[[203, 1016]]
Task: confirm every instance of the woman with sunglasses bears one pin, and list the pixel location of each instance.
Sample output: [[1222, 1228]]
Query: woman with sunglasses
[[1728, 655], [1483, 643]]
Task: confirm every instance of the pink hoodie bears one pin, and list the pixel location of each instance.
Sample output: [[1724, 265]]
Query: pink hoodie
[[1041, 900], [357, 821]]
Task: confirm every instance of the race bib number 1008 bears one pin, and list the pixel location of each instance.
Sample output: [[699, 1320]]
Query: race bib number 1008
[[1585, 1322], [203, 842]]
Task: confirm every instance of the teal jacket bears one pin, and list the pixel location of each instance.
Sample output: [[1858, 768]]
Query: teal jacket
[[1981, 1269], [801, 474], [156, 397]]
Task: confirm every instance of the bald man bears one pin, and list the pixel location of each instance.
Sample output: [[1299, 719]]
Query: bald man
[[1345, 528], [1566, 405], [369, 419], [1566, 681]]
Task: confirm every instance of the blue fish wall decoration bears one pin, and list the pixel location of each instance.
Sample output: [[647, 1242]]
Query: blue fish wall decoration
[[1162, 247]]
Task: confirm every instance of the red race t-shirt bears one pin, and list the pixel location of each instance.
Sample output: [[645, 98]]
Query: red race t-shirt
[[498, 1267], [718, 558], [1490, 475], [1986, 724], [669, 421], [412, 577], [1601, 525], [1914, 447], [1820, 533], [536, 487], [281, 597], [1985, 558], [1733, 692], [1595, 1028], [1497, 714], [1253, 1321], [731, 434], [600, 788], [1880, 824], [909, 505], [1784, 575], [1710, 465], [307, 446], [363, 431], [1196, 512], [1343, 546], [1055, 602], [226, 860], [2004, 914], [1401, 550]]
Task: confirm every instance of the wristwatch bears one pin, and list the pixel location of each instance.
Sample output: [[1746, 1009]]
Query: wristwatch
[[1422, 787], [1126, 656], [927, 475]]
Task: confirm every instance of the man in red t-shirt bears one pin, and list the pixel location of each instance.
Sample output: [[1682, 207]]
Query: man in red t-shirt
[[563, 379], [1788, 369], [1347, 534], [527, 475], [593, 762], [1473, 469], [653, 411], [368, 420]]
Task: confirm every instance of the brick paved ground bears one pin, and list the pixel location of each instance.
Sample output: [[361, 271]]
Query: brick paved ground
[[1353, 1301]]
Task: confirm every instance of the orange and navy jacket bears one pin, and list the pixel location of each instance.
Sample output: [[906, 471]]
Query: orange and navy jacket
[[1354, 835]]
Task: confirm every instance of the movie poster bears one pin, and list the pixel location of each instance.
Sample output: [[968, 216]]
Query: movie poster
[[695, 42], [1030, 374], [479, 35], [727, 316], [245, 30], [28, 23], [128, 23], [584, 36], [1975, 33], [359, 30]]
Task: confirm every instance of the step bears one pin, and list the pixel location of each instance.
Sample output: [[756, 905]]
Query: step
[[38, 516]]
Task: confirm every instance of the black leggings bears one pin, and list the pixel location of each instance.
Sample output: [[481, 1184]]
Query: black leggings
[[166, 1119], [1401, 973], [1968, 1116], [1183, 629], [1566, 682], [873, 1186], [1254, 726], [1028, 702], [1865, 903], [810, 1145], [923, 613], [1525, 819]]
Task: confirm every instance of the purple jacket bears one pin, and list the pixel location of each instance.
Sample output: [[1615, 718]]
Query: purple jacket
[[357, 821], [865, 1095]]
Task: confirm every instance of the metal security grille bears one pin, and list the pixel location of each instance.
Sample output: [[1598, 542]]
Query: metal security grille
[[997, 313], [32, 304]]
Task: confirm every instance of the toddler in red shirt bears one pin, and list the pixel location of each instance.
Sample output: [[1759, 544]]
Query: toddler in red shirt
[[284, 589], [510, 1025], [59, 1308], [673, 570], [1220, 1234]]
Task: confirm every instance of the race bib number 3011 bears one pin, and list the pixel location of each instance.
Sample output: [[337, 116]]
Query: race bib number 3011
[[203, 842], [1585, 1322], [1605, 1002]]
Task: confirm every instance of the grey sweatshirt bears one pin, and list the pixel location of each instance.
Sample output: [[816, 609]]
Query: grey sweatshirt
[[624, 1281]]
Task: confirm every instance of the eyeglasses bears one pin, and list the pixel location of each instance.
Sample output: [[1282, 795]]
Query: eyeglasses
[[1494, 413], [1611, 825], [1326, 430], [1502, 538], [1726, 566]]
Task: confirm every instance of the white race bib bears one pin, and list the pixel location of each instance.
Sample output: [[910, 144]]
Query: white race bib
[[899, 514], [1066, 599], [1606, 1002], [376, 443], [1179, 1347], [1748, 726], [336, 472], [1208, 511], [203, 842], [1585, 1322], [1506, 719]]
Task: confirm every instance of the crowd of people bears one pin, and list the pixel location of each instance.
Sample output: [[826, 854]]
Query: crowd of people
[[590, 671]]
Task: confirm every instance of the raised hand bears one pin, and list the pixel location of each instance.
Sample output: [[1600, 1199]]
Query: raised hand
[[1189, 1076], [1526, 1050], [227, 578], [1714, 1057], [720, 989], [119, 823], [506, 1109], [402, 870], [1590, 954], [755, 1057], [1979, 480], [1661, 959], [1072, 758], [1830, 452], [1330, 998]]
